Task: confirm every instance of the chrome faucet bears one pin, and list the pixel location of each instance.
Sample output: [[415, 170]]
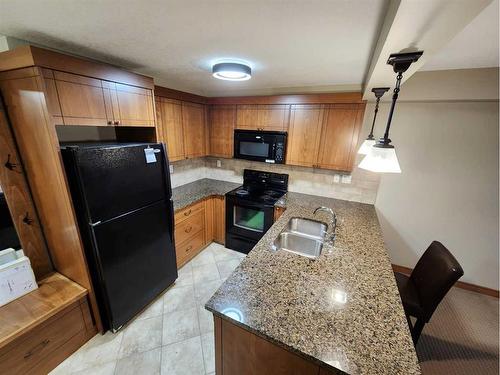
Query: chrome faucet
[[334, 218]]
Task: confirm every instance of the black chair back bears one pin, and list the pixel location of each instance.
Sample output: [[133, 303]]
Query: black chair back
[[434, 275]]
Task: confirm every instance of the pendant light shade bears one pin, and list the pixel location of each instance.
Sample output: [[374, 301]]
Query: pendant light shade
[[382, 156], [381, 160], [366, 146]]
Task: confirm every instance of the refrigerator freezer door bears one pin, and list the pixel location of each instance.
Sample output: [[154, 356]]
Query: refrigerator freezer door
[[137, 259], [118, 180]]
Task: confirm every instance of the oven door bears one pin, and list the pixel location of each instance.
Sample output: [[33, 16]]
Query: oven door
[[247, 219], [252, 145]]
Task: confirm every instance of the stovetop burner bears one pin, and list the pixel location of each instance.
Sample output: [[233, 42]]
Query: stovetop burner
[[261, 187], [242, 192]]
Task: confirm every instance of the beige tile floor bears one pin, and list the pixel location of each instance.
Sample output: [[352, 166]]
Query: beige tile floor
[[173, 336]]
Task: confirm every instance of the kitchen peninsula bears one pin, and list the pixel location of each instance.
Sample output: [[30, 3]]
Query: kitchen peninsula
[[340, 313]]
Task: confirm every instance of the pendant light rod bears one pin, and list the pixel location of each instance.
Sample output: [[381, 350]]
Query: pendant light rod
[[395, 96], [379, 92], [400, 63]]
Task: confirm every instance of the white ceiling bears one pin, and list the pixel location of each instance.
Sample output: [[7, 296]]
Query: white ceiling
[[476, 46], [318, 45]]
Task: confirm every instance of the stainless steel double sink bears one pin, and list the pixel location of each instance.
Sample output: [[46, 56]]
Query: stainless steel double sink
[[303, 237]]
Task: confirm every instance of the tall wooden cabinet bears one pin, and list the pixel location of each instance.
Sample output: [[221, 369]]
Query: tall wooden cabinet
[[194, 127], [169, 130], [221, 128], [182, 126]]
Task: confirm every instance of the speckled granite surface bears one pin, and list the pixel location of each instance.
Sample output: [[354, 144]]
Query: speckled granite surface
[[184, 195], [341, 310]]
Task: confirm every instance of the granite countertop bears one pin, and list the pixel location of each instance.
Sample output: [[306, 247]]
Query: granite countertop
[[342, 310], [184, 195]]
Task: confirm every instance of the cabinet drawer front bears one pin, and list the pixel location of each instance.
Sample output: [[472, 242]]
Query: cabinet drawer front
[[186, 229], [187, 212], [38, 344], [189, 249]]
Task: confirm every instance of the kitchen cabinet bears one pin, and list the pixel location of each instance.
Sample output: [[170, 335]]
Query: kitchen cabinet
[[324, 136], [238, 351], [42, 328], [169, 116], [221, 130], [219, 219], [193, 124], [304, 134], [339, 136], [197, 225], [81, 100], [189, 232], [132, 106], [262, 117]]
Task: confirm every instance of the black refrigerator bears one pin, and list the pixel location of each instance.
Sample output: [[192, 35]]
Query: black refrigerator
[[122, 198]]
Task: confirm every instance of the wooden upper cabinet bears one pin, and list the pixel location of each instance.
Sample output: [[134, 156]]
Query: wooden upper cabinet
[[221, 128], [194, 127], [262, 117], [304, 134], [170, 127], [134, 106], [340, 136], [81, 99]]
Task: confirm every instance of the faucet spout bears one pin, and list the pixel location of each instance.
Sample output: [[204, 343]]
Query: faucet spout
[[330, 211]]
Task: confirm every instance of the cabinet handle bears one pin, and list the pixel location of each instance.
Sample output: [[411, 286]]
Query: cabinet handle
[[187, 230], [9, 165], [110, 122], [37, 348], [187, 213], [117, 122], [189, 248], [27, 220]]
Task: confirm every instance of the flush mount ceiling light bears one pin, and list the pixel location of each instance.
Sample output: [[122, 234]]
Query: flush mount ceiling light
[[382, 156], [232, 71], [370, 141]]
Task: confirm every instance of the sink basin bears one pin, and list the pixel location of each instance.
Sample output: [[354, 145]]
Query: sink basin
[[304, 245], [307, 227]]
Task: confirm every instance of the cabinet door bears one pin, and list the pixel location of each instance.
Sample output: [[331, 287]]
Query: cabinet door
[[170, 127], [135, 106], [220, 219], [81, 99], [339, 136], [193, 124], [221, 127], [273, 117], [304, 135], [247, 117], [262, 117]]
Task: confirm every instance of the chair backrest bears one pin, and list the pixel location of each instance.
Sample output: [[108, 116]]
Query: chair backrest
[[434, 275]]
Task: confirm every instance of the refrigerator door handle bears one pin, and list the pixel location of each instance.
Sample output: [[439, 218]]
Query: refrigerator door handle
[[94, 224]]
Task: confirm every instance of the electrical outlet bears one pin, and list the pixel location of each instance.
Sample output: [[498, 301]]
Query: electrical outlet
[[346, 179], [171, 168], [336, 178], [219, 164]]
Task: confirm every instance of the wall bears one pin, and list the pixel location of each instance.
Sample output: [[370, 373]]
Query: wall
[[363, 186], [448, 189]]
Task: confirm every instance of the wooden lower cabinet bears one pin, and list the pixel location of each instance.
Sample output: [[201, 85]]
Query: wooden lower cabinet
[[43, 328], [238, 351], [197, 225]]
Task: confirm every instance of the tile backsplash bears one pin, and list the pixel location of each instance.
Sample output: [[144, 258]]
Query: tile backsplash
[[363, 187]]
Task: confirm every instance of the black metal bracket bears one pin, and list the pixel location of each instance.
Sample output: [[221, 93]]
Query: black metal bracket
[[379, 92], [401, 61]]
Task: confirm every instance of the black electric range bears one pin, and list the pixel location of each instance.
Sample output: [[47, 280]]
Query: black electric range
[[250, 208]]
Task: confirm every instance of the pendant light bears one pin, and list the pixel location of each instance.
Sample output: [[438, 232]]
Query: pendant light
[[382, 156], [370, 141]]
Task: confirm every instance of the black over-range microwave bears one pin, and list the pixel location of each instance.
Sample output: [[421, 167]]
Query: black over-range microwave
[[266, 146]]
